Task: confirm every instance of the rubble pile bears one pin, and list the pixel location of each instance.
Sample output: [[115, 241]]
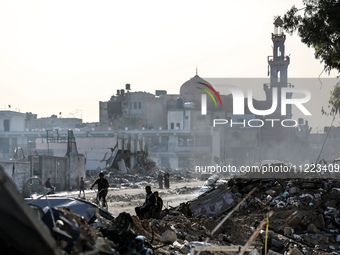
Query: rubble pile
[[138, 181], [306, 210], [87, 241], [306, 217], [141, 196], [175, 228], [124, 198], [130, 181], [286, 216], [182, 190], [74, 235]]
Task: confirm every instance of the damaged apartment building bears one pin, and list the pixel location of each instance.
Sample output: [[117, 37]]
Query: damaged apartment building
[[175, 133]]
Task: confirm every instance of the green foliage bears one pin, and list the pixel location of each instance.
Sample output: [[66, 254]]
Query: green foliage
[[334, 101], [318, 25]]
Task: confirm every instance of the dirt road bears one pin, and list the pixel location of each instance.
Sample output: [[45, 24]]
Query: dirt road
[[126, 199]]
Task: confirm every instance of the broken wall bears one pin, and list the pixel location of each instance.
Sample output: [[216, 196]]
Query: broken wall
[[18, 171], [95, 148], [64, 174], [55, 168], [77, 167]]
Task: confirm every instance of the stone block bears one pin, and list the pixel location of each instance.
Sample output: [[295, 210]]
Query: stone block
[[168, 236], [294, 219], [313, 229]]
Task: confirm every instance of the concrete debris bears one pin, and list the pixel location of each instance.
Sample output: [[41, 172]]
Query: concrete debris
[[30, 229], [271, 192], [168, 236], [313, 229], [255, 252], [294, 251], [294, 219], [305, 219], [338, 238], [288, 231], [210, 184], [75, 236], [294, 190], [214, 203]]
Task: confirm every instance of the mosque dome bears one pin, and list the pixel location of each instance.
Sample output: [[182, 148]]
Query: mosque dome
[[189, 87]]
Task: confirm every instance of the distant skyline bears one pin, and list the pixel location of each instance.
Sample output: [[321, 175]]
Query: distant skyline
[[66, 56]]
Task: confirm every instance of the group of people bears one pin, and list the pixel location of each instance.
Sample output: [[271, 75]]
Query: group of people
[[153, 204], [102, 183], [165, 177]]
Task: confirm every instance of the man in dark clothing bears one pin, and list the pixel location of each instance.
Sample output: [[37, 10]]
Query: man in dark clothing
[[81, 186], [160, 180], [49, 186], [167, 180], [103, 185], [148, 204], [158, 204]]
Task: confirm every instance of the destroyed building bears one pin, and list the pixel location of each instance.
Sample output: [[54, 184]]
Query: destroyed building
[[236, 144], [64, 170], [33, 123]]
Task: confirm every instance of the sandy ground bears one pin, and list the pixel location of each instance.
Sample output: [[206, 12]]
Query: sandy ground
[[169, 198], [129, 198]]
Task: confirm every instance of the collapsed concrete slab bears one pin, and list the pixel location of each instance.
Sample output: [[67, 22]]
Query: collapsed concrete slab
[[214, 203], [168, 236]]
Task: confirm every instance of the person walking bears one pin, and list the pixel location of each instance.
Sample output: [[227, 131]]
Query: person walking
[[160, 180], [167, 180], [103, 185], [81, 186]]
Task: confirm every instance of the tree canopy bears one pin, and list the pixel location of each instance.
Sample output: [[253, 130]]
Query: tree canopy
[[334, 102], [318, 25]]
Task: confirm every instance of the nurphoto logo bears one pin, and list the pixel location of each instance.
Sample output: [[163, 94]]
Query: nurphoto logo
[[278, 95]]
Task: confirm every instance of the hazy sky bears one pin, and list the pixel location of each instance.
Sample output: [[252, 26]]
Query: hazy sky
[[66, 56]]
